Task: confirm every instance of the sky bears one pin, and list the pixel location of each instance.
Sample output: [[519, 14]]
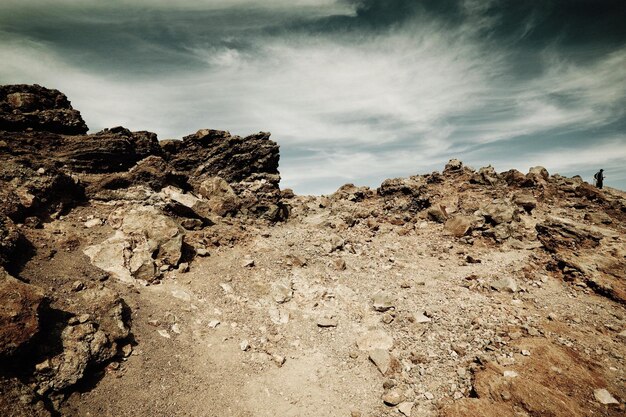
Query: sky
[[354, 91]]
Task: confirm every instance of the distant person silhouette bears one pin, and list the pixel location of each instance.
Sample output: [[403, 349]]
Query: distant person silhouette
[[599, 177]]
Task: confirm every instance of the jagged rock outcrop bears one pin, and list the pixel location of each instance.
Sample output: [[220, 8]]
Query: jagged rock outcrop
[[249, 165], [24, 107]]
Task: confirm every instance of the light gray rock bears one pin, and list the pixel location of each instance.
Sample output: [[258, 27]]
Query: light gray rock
[[604, 397], [382, 301], [505, 284], [382, 359], [327, 322]]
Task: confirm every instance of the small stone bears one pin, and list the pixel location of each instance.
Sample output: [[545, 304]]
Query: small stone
[[244, 345], [227, 288], [382, 301], [422, 318], [127, 350], [41, 171], [93, 223], [382, 359], [77, 286], [183, 267], [43, 366], [327, 322], [282, 292], [429, 396], [353, 354], [510, 374], [393, 398], [406, 408], [279, 359], [505, 284], [164, 333], [335, 243], [202, 252], [248, 263], [604, 397], [339, 264], [164, 268], [176, 328], [387, 318], [355, 414], [525, 352], [84, 318], [213, 324]]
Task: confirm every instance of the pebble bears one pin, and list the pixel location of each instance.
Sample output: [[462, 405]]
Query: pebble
[[327, 322], [248, 263], [213, 324], [406, 408], [164, 333], [604, 397], [429, 396], [510, 374], [525, 352], [92, 223], [505, 284], [382, 359], [393, 398], [279, 359], [382, 301], [422, 318], [202, 252], [244, 345]]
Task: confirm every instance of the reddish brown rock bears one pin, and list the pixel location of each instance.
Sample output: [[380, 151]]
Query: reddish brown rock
[[19, 305]]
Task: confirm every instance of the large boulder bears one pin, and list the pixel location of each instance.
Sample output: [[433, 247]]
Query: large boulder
[[145, 241], [37, 108], [19, 312], [220, 196]]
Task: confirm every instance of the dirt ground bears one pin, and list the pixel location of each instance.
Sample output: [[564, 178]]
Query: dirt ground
[[282, 323]]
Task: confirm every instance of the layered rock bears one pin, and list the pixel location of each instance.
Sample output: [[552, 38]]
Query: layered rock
[[34, 107], [249, 165]]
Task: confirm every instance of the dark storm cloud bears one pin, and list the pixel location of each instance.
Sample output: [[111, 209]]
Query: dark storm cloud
[[353, 90]]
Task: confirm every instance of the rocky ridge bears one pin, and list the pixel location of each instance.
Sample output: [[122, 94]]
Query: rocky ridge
[[153, 271]]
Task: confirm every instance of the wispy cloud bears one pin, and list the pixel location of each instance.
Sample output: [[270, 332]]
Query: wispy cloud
[[352, 90]]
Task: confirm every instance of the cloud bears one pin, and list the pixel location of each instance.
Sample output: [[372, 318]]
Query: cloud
[[354, 91]]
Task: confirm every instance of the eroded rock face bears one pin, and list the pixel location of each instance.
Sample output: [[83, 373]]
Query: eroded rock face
[[218, 153], [249, 165], [34, 107], [19, 318]]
